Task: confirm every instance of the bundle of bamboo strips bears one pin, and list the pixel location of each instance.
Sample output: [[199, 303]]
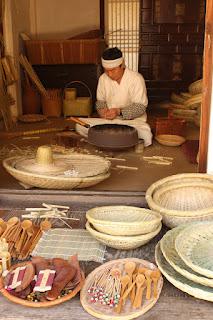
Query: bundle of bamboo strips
[[33, 76]]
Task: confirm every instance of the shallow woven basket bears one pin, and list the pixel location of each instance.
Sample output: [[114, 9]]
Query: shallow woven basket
[[170, 140], [167, 245], [189, 195], [194, 245], [51, 182], [180, 282], [122, 242], [44, 304], [101, 311], [123, 220], [196, 87]]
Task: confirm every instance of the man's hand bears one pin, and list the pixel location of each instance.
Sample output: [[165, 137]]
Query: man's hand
[[112, 113], [109, 114], [102, 112]]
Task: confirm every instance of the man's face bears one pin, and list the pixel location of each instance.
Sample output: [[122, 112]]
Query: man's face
[[114, 73]]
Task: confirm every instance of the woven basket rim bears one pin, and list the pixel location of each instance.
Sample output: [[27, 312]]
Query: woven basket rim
[[185, 285], [188, 239], [90, 212], [44, 304], [178, 178], [129, 239], [167, 245]]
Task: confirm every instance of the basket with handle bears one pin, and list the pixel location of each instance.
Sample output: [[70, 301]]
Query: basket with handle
[[77, 106]]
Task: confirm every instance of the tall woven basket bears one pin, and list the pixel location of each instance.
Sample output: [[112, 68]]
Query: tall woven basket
[[52, 103]]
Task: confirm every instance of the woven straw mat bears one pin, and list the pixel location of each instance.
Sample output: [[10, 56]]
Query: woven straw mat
[[63, 243]]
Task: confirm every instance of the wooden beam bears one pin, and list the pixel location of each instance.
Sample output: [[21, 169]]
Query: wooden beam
[[207, 88]]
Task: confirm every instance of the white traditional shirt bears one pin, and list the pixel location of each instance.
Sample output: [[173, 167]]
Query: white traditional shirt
[[129, 95]]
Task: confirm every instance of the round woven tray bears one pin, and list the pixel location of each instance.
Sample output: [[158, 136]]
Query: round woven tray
[[122, 242], [57, 181], [170, 140], [194, 246], [200, 204], [123, 220], [103, 312], [30, 118], [194, 289], [167, 245], [44, 304]]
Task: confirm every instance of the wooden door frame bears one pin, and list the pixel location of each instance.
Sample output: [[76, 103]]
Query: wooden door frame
[[207, 88]]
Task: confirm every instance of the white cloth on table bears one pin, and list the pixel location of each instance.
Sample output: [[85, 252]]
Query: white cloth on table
[[131, 89], [143, 129]]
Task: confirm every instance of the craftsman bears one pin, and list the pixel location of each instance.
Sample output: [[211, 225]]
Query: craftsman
[[121, 92]]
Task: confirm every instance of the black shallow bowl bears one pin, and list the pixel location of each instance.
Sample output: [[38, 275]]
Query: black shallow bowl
[[113, 136]]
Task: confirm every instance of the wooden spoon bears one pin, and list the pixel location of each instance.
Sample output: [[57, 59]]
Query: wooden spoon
[[26, 224], [140, 279], [44, 226], [9, 224], [129, 267], [30, 232], [148, 283], [155, 276], [124, 282]]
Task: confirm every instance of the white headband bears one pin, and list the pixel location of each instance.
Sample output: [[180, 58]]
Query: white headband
[[109, 64]]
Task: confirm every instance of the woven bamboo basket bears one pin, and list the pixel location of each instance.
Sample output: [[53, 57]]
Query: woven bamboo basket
[[194, 246], [123, 220], [189, 196], [122, 242], [186, 95], [193, 102], [170, 140], [44, 304], [196, 87], [51, 182], [167, 245], [185, 197], [172, 221], [192, 288]]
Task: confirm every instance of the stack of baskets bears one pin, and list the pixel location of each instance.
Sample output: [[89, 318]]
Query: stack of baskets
[[184, 256], [182, 198], [123, 227], [186, 104]]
